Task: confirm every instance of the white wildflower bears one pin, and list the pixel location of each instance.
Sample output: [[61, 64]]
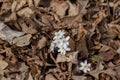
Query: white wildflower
[[61, 42], [64, 41], [85, 67], [63, 49], [59, 34]]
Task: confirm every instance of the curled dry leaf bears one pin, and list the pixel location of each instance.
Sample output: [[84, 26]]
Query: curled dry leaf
[[42, 42], [70, 57], [3, 64], [27, 12], [8, 34], [22, 41]]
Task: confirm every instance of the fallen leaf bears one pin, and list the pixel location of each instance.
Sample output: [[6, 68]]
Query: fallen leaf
[[30, 77], [42, 42], [8, 34], [60, 7], [95, 73], [107, 52], [36, 2], [70, 57], [23, 69], [20, 4], [22, 41], [78, 77], [74, 9], [27, 12], [110, 72], [3, 64], [81, 32]]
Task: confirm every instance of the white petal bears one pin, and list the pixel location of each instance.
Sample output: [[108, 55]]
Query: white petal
[[89, 65], [85, 71], [81, 68], [67, 38], [82, 64], [85, 62], [88, 69]]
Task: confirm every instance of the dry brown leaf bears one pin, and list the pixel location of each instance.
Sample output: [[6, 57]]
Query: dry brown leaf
[[118, 72], [107, 52], [27, 12], [82, 47], [60, 7], [110, 72], [74, 9], [22, 41], [70, 57], [7, 34], [30, 3], [83, 4], [30, 77], [14, 5], [3, 64], [23, 69], [50, 77], [42, 42], [12, 17], [95, 73], [26, 29], [36, 2], [81, 32], [5, 7], [20, 4], [78, 77], [118, 50]]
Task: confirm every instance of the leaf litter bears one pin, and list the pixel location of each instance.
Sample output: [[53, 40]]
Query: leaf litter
[[27, 29]]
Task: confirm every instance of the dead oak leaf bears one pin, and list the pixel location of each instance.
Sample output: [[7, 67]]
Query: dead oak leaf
[[22, 41], [95, 73]]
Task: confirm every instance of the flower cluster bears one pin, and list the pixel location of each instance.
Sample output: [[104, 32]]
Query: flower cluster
[[61, 42], [85, 67]]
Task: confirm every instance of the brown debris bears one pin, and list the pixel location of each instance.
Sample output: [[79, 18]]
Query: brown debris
[[27, 29]]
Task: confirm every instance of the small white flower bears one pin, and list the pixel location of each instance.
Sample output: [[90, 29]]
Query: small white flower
[[85, 67], [61, 42], [64, 41], [59, 34], [63, 49]]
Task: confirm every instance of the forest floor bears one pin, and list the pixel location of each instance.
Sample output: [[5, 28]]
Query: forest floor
[[59, 39]]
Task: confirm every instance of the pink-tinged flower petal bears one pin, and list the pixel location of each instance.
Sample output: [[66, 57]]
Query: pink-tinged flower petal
[[82, 64], [81, 68], [85, 71]]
